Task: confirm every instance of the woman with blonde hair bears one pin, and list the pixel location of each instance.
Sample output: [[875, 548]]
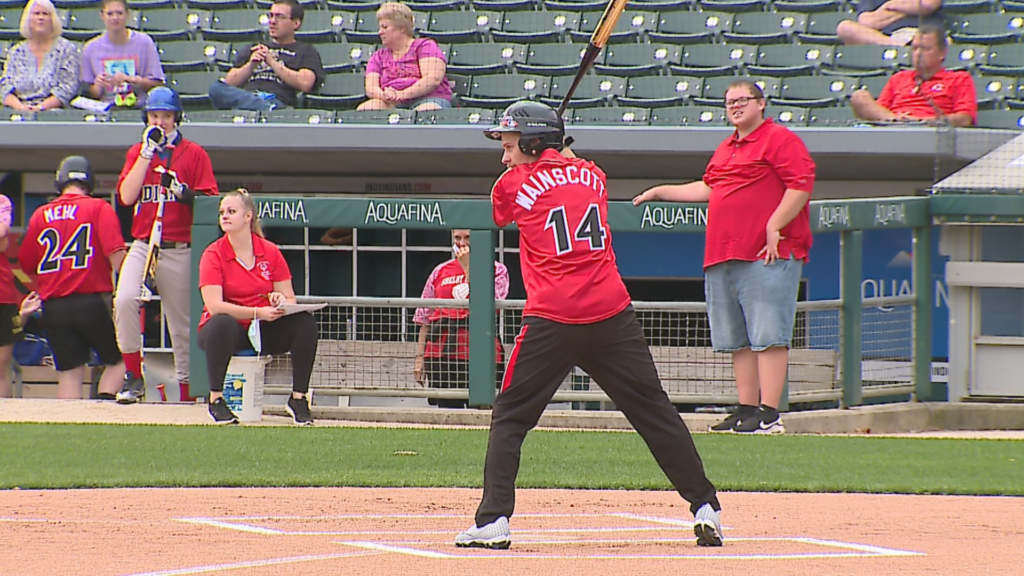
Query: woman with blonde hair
[[41, 73], [406, 72], [245, 281]]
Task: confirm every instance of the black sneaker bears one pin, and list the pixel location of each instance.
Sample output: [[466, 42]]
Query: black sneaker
[[729, 424], [766, 421], [134, 390], [221, 413], [299, 409]]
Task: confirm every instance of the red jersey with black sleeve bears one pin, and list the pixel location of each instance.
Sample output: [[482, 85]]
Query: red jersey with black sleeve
[[242, 285], [68, 244], [952, 92], [192, 165], [565, 246], [748, 178]]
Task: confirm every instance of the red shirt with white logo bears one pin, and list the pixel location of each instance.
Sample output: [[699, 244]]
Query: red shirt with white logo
[[748, 178], [67, 246], [565, 245], [952, 92], [243, 286], [192, 165]]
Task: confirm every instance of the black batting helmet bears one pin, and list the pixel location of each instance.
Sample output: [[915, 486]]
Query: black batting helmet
[[75, 169], [539, 124]]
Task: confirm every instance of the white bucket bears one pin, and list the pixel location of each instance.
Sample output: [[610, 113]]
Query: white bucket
[[243, 387]]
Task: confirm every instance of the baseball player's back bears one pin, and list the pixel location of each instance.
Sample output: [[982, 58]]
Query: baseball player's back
[[561, 208]]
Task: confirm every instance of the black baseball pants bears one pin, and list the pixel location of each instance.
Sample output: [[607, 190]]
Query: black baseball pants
[[616, 356]]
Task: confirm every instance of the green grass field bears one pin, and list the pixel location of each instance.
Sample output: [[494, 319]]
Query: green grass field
[[76, 456]]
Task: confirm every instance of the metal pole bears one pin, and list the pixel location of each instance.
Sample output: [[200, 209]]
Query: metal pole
[[851, 268], [481, 318], [922, 280]]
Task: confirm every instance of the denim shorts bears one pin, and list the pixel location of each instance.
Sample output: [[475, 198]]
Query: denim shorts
[[412, 104], [752, 304]]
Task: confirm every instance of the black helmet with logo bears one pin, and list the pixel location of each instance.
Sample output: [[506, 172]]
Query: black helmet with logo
[[75, 169], [539, 124]]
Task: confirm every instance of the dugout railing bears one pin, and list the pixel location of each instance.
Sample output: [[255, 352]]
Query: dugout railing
[[830, 360]]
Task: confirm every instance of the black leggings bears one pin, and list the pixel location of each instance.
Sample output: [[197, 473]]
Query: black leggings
[[222, 336]]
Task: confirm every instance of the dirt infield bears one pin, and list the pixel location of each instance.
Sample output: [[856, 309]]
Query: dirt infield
[[331, 531]]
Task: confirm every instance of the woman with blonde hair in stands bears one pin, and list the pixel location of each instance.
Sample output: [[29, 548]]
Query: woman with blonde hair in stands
[[245, 281], [406, 72], [41, 73]]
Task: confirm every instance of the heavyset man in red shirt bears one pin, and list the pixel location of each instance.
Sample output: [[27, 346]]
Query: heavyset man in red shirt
[[757, 185], [578, 313], [927, 91]]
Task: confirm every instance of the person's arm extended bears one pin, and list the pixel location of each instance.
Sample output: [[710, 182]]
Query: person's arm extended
[[793, 201], [696, 191], [213, 299]]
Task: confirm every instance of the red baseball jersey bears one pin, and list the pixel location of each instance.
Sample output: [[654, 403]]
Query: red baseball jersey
[[565, 246], [68, 244], [952, 92], [9, 293], [192, 165], [748, 178], [242, 286]]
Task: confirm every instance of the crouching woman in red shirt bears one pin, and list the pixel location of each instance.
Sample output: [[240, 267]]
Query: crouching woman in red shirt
[[244, 278]]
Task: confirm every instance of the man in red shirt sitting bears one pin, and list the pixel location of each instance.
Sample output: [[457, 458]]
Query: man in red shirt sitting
[[927, 91]]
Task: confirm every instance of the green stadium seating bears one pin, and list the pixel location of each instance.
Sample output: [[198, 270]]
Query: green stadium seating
[[1006, 119], [476, 58], [575, 5], [659, 91], [873, 84], [304, 116], [989, 28], [150, 4], [216, 4], [994, 90], [868, 60], [821, 27], [456, 116], [807, 6], [688, 116], [967, 6], [460, 84], [690, 28], [194, 87], [553, 59], [507, 5], [466, 26], [224, 116], [174, 23], [842, 116], [791, 59], [323, 26], [345, 57], [69, 115], [339, 91], [593, 90], [392, 117], [733, 5], [626, 115], [787, 115], [815, 91], [766, 27], [715, 59], [501, 90], [638, 59], [1004, 59], [530, 27], [309, 5], [435, 5], [664, 5], [5, 46], [370, 6], [237, 26], [10, 24], [190, 55], [631, 26], [86, 23], [965, 56], [715, 87]]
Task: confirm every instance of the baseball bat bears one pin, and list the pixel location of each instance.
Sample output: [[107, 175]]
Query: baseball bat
[[597, 42]]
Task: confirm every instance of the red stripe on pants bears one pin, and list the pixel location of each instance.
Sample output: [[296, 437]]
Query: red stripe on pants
[[511, 365]]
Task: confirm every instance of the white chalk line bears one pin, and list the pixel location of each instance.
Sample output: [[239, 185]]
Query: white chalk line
[[248, 564]]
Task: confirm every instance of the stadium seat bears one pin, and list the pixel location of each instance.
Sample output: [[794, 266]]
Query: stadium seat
[[86, 23], [392, 117], [593, 90], [223, 116], [345, 57], [216, 4], [5, 46], [553, 59], [733, 5], [469, 26], [339, 91], [766, 27], [460, 84], [476, 58], [967, 6], [174, 23], [10, 24], [69, 115], [989, 28], [435, 5], [531, 27], [12, 115], [638, 59], [370, 6], [631, 116], [841, 116], [194, 87], [74, 3], [815, 91], [150, 4], [715, 87], [322, 26], [690, 28], [575, 5], [456, 116], [632, 26], [965, 56], [821, 27], [190, 55], [688, 116], [994, 90], [658, 91], [304, 116], [808, 6], [237, 26], [873, 84], [1007, 119], [787, 115], [715, 59], [501, 90], [1004, 59], [1010, 5], [791, 59], [507, 5], [868, 60], [664, 5], [309, 5]]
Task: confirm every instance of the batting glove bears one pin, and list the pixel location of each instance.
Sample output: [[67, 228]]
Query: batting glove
[[153, 141], [182, 192]]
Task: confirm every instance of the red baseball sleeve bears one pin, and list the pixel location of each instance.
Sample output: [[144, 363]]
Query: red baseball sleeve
[[28, 253], [211, 272], [129, 161], [203, 180], [501, 200], [110, 238], [792, 162]]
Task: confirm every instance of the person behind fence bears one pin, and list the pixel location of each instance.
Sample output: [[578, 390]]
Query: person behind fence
[[266, 78], [757, 186], [442, 350], [406, 72], [244, 281], [40, 73], [164, 169], [120, 66], [889, 22], [72, 246], [925, 92], [578, 313]]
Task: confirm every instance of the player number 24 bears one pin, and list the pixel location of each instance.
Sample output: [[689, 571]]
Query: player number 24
[[78, 249], [589, 229]]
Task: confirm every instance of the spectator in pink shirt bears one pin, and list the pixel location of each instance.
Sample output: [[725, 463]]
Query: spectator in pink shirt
[[407, 72]]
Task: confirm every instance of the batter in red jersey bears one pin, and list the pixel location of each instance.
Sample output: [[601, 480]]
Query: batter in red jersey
[[164, 167], [578, 313], [71, 248]]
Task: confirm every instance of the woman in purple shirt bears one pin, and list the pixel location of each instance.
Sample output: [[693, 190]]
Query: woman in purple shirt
[[407, 72]]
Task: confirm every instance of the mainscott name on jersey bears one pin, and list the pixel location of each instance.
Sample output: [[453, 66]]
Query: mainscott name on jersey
[[55, 213], [395, 212], [544, 180]]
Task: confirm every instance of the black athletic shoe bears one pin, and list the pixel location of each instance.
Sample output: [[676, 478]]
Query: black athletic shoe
[[730, 423], [766, 421], [299, 409], [134, 390], [221, 413]]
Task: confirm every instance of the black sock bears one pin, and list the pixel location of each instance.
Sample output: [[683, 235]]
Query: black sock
[[105, 396], [769, 412], [746, 410]]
